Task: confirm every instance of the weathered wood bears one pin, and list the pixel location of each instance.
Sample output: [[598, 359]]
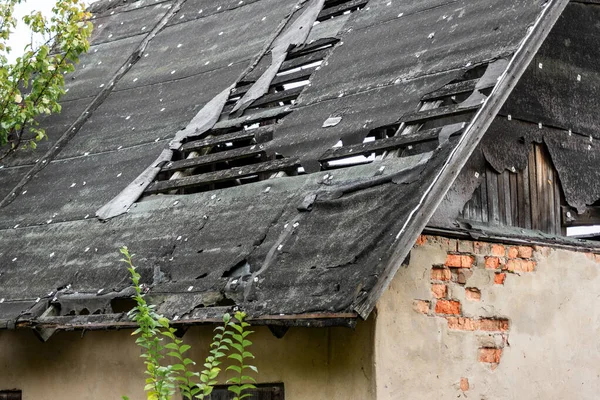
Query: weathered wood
[[549, 184], [216, 140], [285, 95], [446, 111], [492, 195], [222, 176], [392, 143], [340, 9], [514, 204], [590, 217], [533, 192], [228, 155], [484, 200], [263, 115], [539, 185], [311, 47], [452, 89], [305, 59]]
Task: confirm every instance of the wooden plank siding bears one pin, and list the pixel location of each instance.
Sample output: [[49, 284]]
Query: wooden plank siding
[[530, 199]]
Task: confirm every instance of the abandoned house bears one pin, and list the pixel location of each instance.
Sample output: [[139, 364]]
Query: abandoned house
[[393, 190]]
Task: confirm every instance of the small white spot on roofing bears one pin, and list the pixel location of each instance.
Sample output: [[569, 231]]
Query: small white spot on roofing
[[100, 26], [256, 279], [16, 226], [119, 148], [296, 224], [172, 72], [37, 300], [382, 168], [241, 2], [341, 95], [51, 255], [99, 62], [160, 100], [133, 129], [86, 250], [84, 183], [589, 146], [570, 132], [102, 85], [14, 259], [220, 33], [111, 35], [190, 288], [87, 153], [86, 216], [400, 15], [128, 117], [214, 196], [540, 125], [468, 64], [162, 109], [112, 13], [121, 23], [95, 250], [175, 318], [119, 174], [280, 247], [135, 79], [67, 90], [389, 3], [24, 192], [578, 78], [230, 64], [179, 45], [100, 291], [73, 184], [409, 147], [182, 16], [200, 11], [176, 202], [95, 50], [156, 140], [219, 8], [263, 18], [49, 221], [2, 300], [143, 28], [540, 65], [431, 35], [146, 55], [268, 189], [178, 237], [509, 117], [591, 138], [206, 63]]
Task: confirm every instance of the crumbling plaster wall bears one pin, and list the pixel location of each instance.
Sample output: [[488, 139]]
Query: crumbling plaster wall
[[313, 363], [475, 320]]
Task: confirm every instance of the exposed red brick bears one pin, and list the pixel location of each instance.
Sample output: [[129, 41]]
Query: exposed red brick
[[520, 265], [513, 252], [492, 262], [525, 251], [462, 324], [490, 355], [498, 250], [440, 274], [421, 306], [493, 325], [450, 307], [499, 278], [464, 384], [473, 294], [459, 261], [439, 291], [421, 240]]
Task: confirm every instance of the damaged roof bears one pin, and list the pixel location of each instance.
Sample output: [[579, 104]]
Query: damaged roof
[[278, 155]]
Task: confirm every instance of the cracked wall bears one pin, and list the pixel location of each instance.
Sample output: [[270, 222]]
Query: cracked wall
[[470, 319]]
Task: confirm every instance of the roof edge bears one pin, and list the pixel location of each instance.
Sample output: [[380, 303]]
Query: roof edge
[[421, 215]]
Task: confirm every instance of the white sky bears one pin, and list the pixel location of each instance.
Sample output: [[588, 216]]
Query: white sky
[[21, 36]]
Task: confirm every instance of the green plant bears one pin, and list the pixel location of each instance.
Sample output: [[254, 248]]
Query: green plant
[[32, 85], [230, 340]]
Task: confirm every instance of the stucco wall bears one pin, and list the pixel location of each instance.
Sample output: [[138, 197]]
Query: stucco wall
[[314, 364], [481, 321]]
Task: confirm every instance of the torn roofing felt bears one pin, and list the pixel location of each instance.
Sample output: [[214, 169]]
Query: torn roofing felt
[[406, 81]]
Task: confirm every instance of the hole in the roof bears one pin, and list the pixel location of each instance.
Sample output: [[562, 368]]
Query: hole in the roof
[[122, 305]]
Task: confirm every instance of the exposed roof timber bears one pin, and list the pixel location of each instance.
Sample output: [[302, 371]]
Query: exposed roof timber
[[467, 144]]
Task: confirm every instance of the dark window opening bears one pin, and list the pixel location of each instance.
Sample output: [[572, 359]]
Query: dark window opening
[[10, 394], [270, 391]]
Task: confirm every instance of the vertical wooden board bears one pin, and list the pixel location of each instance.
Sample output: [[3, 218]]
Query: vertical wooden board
[[558, 202], [514, 199], [526, 210], [476, 201], [507, 198], [549, 184], [501, 198], [492, 196], [484, 199], [533, 191], [542, 178]]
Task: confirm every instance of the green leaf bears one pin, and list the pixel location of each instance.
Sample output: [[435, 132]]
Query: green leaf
[[184, 348], [235, 356]]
